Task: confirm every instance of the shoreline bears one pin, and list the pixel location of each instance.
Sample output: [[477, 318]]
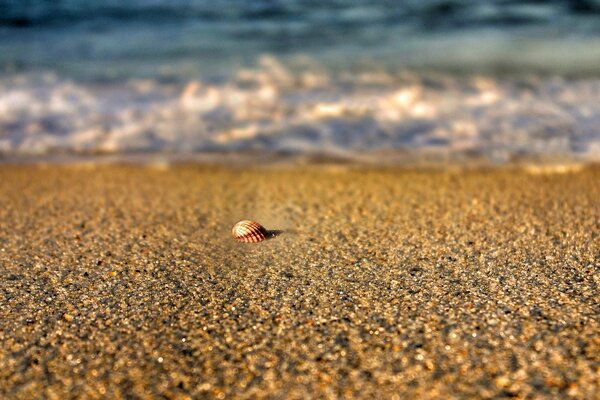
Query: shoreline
[[261, 159]]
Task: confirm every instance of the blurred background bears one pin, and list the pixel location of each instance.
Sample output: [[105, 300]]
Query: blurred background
[[400, 81]]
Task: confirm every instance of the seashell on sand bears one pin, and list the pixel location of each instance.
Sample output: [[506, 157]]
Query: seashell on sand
[[249, 232]]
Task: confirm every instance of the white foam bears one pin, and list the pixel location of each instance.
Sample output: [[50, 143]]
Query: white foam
[[309, 110]]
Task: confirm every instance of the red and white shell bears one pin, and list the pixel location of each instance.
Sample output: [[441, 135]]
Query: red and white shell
[[249, 232]]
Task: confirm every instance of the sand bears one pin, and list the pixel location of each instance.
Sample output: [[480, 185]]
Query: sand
[[124, 282]]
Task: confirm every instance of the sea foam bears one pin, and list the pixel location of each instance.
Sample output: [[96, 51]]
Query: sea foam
[[305, 111]]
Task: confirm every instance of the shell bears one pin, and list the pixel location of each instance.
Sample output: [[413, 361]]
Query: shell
[[249, 232]]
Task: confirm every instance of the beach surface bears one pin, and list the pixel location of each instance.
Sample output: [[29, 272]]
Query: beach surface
[[125, 282]]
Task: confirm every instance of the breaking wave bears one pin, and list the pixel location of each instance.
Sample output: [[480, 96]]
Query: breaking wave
[[305, 111]]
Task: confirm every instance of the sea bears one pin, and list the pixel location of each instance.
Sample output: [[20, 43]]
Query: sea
[[376, 81]]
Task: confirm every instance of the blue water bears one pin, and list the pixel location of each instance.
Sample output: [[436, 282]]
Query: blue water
[[497, 79], [182, 38]]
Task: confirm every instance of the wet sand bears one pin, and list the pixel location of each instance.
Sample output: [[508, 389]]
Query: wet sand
[[124, 282]]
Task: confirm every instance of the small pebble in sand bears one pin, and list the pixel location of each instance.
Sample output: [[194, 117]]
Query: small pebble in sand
[[249, 232]]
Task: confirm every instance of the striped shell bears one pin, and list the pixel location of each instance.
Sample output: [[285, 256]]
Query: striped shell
[[249, 232]]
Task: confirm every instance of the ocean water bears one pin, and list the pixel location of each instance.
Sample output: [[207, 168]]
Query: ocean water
[[497, 80]]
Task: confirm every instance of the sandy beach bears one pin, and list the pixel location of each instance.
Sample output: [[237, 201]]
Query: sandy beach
[[124, 282]]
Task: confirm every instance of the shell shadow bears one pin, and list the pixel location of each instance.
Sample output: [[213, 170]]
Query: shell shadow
[[274, 233]]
